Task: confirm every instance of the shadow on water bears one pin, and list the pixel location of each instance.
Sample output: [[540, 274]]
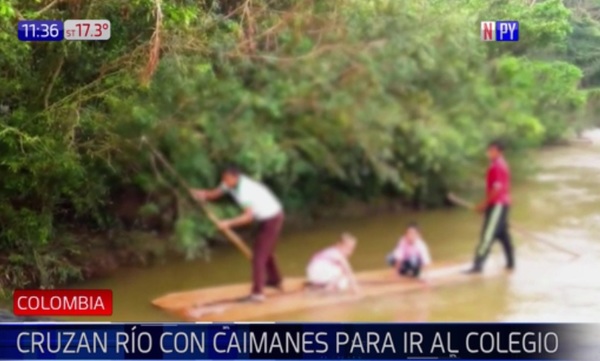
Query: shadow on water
[[560, 204]]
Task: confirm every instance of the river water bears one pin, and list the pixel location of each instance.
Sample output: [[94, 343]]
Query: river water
[[559, 204]]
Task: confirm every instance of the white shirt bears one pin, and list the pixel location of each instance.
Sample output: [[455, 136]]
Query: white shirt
[[327, 266], [331, 255], [417, 250], [256, 196]]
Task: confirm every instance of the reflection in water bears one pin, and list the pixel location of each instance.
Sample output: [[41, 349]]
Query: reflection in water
[[561, 205]]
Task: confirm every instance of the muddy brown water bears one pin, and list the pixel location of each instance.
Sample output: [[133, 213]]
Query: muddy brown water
[[561, 204]]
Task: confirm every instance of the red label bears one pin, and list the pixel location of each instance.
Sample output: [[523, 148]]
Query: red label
[[63, 303]]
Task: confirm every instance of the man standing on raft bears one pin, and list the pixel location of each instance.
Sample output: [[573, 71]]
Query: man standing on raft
[[261, 205], [496, 207]]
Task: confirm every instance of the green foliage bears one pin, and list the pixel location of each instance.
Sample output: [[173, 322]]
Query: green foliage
[[324, 100], [583, 43], [583, 51], [186, 230]]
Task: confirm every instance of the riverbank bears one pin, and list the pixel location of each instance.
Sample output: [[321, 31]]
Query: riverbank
[[91, 256]]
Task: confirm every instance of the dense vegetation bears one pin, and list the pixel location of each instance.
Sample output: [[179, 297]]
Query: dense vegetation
[[327, 100]]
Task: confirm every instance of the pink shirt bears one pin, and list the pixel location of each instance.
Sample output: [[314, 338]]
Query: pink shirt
[[418, 249]]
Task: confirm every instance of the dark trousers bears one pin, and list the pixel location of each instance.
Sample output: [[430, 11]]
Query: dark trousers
[[495, 227], [408, 267], [264, 266]]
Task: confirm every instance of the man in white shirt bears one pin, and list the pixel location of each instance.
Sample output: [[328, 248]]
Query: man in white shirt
[[262, 206]]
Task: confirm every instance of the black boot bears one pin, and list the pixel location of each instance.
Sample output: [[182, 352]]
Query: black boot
[[476, 269]]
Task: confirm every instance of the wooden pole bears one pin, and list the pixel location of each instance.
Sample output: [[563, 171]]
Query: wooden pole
[[461, 202], [229, 234]]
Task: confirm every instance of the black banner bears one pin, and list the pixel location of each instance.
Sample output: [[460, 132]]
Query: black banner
[[381, 341]]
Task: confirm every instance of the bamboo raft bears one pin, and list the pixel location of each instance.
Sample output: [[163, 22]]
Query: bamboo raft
[[222, 304]]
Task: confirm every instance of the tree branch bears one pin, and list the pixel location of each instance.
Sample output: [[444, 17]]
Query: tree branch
[[55, 75], [48, 7], [155, 43]]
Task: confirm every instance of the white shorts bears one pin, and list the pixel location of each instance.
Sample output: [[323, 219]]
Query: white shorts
[[324, 273]]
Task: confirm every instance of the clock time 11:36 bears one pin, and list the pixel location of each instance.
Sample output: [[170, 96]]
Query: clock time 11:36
[[40, 30]]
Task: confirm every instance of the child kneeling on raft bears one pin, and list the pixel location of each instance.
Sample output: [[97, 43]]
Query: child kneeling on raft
[[330, 268], [411, 253]]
